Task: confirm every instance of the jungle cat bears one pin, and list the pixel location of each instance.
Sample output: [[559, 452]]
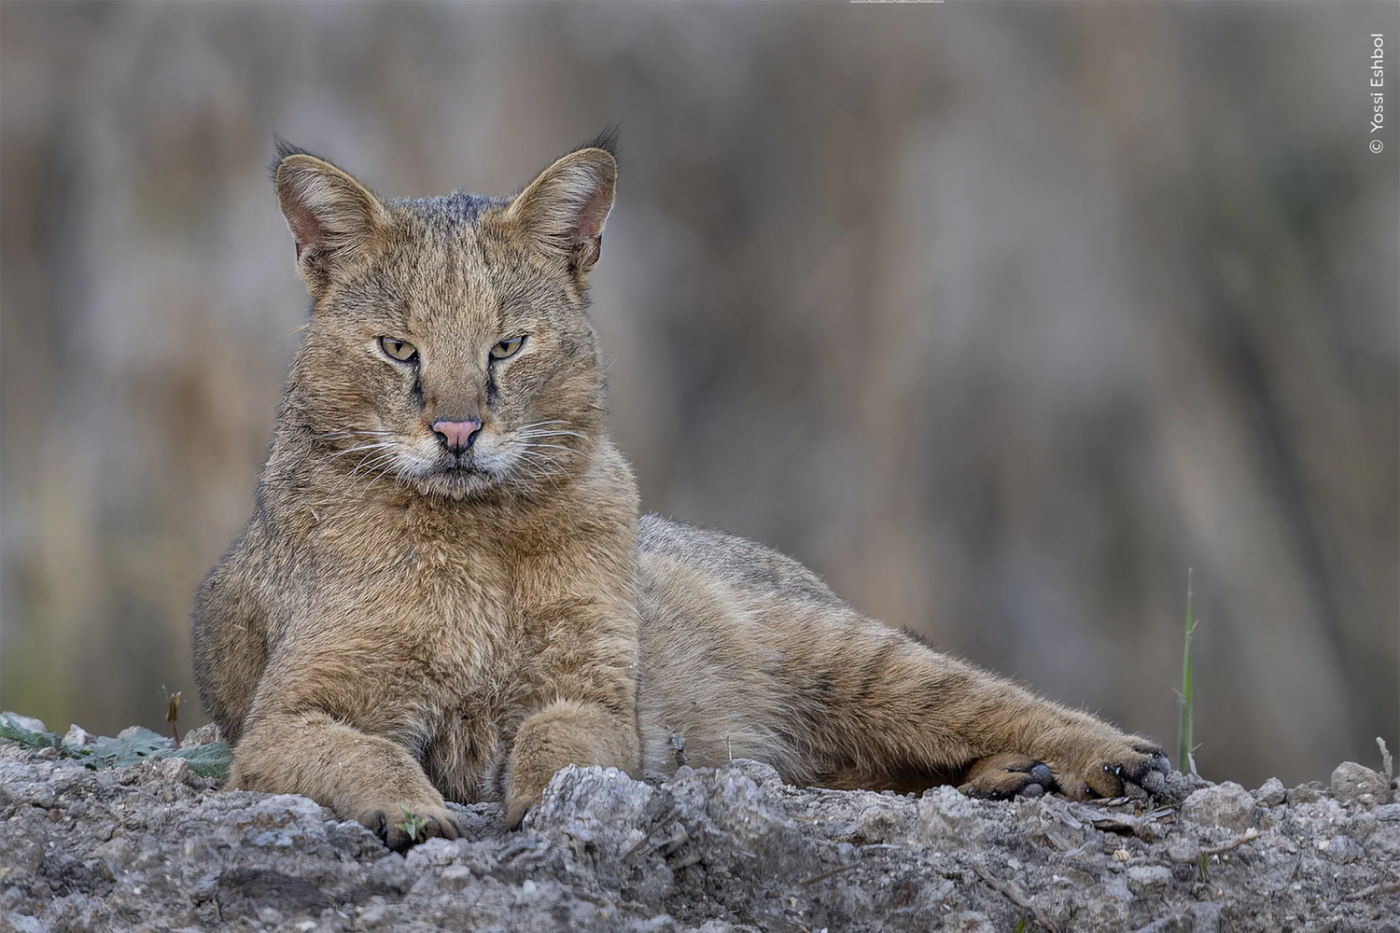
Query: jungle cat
[[446, 589]]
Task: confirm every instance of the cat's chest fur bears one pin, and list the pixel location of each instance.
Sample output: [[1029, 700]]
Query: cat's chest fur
[[443, 599], [415, 572], [448, 611]]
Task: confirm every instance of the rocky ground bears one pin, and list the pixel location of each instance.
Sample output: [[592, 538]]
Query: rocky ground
[[155, 847]]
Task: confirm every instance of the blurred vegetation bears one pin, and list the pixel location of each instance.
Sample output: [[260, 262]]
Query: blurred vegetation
[[135, 745], [998, 316]]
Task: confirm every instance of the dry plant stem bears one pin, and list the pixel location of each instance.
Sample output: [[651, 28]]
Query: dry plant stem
[[1017, 897], [1250, 836], [172, 714], [1385, 887], [825, 875]]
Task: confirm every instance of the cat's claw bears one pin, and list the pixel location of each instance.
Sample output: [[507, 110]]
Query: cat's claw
[[1137, 769], [401, 832]]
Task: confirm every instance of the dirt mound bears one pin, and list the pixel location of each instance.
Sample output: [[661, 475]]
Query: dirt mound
[[157, 847]]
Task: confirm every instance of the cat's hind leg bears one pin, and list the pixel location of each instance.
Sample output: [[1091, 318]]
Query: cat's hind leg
[[891, 709]]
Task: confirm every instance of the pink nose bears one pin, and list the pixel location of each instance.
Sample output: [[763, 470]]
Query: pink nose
[[456, 436]]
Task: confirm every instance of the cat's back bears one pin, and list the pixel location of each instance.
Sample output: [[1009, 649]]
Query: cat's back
[[725, 561]]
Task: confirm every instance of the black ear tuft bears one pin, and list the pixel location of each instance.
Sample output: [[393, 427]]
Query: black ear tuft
[[285, 149], [607, 140]]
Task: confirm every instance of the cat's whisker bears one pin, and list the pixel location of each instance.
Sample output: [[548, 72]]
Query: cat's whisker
[[540, 458], [551, 447], [369, 464], [542, 477], [362, 447], [534, 434], [363, 472], [537, 475], [542, 465], [537, 469], [385, 471], [347, 432], [539, 450]]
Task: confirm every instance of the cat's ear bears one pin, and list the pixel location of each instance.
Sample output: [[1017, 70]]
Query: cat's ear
[[563, 210], [332, 217]]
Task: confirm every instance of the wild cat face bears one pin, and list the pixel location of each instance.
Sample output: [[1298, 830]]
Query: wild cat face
[[448, 348]]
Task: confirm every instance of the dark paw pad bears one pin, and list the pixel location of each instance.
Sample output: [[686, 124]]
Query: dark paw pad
[[1137, 771], [1001, 776]]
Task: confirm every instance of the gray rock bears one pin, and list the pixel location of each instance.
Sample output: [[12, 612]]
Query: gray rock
[[1205, 917], [1226, 804], [26, 722], [947, 816], [201, 735], [1306, 793], [1271, 793], [1350, 781], [1344, 849], [1149, 879], [23, 924], [1183, 848], [621, 828], [77, 737]]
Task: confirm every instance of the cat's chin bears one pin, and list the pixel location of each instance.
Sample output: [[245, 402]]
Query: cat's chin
[[455, 484]]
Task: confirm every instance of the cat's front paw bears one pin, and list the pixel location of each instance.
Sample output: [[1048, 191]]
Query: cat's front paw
[[1124, 766], [400, 827], [998, 777], [517, 807]]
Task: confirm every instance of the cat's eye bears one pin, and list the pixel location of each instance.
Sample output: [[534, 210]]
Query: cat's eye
[[400, 350], [507, 348]]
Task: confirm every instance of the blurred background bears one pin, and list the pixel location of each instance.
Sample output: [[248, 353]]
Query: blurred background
[[999, 316]]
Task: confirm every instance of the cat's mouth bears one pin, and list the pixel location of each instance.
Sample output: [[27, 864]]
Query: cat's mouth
[[462, 465], [456, 476], [461, 473]]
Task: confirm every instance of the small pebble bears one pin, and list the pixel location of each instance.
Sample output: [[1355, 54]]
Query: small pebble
[[1344, 849], [1310, 792], [1144, 878], [1271, 793], [77, 736], [1226, 804], [175, 770], [1350, 780]]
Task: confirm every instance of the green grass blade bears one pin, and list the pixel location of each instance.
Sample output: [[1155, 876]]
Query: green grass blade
[[1183, 761]]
